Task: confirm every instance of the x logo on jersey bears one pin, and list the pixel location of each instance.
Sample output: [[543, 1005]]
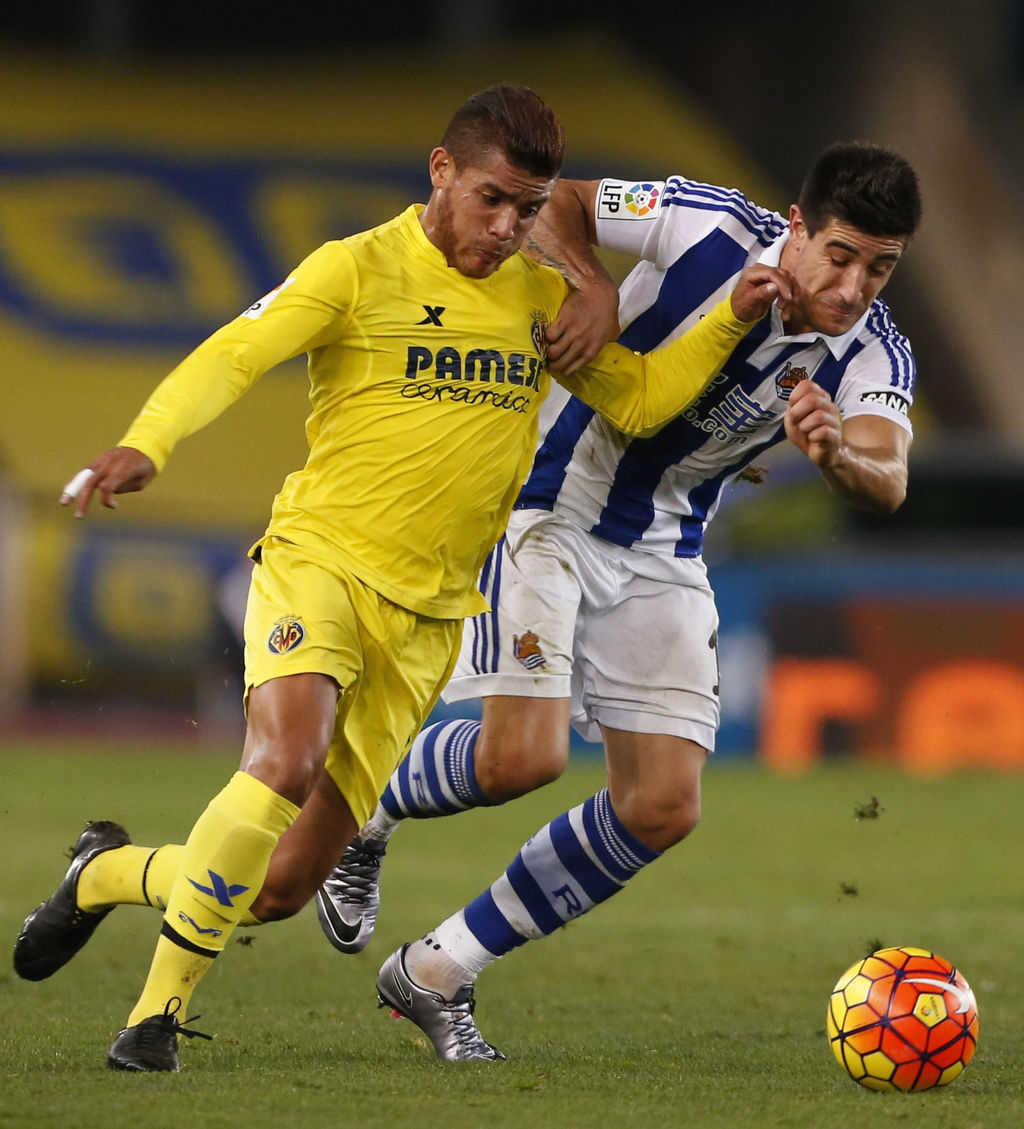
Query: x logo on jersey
[[219, 889], [433, 315]]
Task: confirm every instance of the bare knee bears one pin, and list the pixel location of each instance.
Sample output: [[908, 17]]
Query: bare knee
[[523, 745], [290, 724], [654, 784], [659, 824], [508, 769]]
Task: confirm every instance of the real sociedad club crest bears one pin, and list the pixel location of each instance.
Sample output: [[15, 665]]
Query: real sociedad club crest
[[641, 199], [526, 648], [787, 379], [288, 633]]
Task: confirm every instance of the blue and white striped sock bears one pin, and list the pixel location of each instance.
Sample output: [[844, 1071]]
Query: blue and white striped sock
[[574, 863], [437, 776]]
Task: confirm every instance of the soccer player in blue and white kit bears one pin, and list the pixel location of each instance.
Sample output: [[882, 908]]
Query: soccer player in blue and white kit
[[602, 611]]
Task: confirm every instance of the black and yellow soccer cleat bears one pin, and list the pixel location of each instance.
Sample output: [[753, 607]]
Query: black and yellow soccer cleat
[[55, 930]]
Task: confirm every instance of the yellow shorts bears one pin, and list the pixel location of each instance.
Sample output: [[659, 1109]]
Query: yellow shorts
[[389, 663]]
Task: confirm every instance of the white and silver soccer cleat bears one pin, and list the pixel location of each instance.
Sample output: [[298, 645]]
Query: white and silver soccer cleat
[[448, 1024], [347, 902]]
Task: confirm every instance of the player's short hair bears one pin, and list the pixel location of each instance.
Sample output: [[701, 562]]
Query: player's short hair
[[871, 188], [512, 120]]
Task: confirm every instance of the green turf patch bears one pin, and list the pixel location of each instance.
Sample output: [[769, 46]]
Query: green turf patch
[[695, 998]]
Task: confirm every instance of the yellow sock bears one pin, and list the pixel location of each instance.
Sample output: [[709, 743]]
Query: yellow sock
[[222, 868], [135, 876], [129, 876], [158, 878]]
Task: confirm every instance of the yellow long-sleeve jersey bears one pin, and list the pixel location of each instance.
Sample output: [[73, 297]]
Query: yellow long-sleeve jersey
[[425, 386]]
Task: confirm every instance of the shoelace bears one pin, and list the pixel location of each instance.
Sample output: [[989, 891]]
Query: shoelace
[[466, 1032], [169, 1022], [356, 874]]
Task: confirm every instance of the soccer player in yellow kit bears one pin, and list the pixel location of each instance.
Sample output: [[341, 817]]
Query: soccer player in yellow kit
[[426, 344]]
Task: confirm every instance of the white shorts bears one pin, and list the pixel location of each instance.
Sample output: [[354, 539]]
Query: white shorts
[[630, 638]]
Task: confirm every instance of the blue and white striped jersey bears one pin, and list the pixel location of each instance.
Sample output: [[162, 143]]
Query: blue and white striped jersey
[[658, 494]]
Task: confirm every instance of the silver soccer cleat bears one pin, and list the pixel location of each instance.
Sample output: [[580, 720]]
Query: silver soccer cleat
[[448, 1024], [347, 902]]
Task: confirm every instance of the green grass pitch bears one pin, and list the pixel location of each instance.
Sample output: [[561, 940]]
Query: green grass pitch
[[696, 998]]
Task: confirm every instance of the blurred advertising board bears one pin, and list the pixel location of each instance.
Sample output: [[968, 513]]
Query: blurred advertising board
[[917, 659], [909, 661]]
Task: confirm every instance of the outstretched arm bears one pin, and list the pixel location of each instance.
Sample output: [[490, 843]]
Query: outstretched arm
[[863, 460], [288, 321], [639, 393]]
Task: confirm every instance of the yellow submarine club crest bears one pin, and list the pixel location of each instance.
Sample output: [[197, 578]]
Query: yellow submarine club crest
[[538, 328], [287, 634]]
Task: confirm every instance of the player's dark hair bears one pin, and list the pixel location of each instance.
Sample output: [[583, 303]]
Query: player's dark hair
[[513, 120], [866, 186]]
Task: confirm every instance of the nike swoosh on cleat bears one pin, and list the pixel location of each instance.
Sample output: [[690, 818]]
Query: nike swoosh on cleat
[[339, 926], [403, 995]]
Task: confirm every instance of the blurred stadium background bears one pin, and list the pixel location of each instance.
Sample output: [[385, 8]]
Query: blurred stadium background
[[162, 166]]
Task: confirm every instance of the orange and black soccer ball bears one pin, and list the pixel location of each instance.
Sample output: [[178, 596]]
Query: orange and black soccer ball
[[902, 1019]]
